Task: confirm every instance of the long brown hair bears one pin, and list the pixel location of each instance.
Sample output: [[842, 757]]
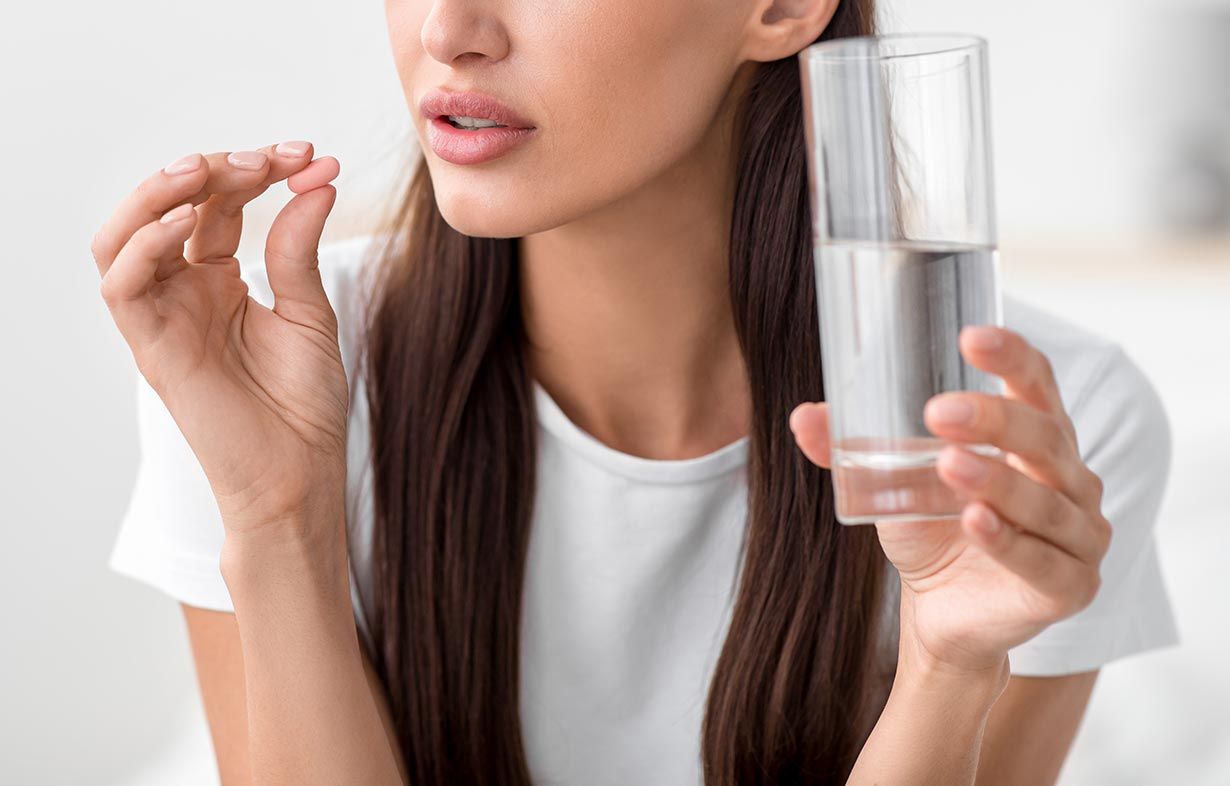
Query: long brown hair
[[453, 435]]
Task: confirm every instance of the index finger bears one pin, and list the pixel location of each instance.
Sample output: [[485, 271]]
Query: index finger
[[1027, 373], [178, 182]]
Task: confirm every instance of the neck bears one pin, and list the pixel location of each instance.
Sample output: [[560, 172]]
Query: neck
[[628, 316]]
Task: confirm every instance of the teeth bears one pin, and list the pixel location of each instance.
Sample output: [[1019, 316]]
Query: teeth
[[472, 122]]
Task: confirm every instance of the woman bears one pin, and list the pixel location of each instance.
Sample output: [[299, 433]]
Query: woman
[[549, 423]]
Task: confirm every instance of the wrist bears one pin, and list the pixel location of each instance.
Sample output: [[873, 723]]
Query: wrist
[[982, 676], [291, 494], [306, 553], [918, 671]]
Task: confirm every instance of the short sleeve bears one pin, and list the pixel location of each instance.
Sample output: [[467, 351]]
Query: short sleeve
[[1124, 436], [171, 534]]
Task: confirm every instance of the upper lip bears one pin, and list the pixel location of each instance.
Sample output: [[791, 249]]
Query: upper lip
[[439, 102]]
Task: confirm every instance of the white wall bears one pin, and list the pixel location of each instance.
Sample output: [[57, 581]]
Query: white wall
[[95, 682], [94, 672], [1085, 98]]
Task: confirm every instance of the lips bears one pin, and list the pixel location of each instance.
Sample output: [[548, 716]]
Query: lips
[[464, 146], [441, 103]]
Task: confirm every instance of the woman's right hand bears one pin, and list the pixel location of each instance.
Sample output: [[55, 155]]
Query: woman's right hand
[[260, 394]]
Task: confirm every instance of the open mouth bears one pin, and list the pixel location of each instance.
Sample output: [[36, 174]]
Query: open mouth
[[470, 123], [470, 128]]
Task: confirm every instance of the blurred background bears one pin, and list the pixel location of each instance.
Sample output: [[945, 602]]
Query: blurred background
[[1111, 124]]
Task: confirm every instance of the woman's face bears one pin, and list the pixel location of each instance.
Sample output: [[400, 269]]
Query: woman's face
[[618, 91]]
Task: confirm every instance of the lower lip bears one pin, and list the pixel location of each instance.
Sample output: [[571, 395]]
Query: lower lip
[[458, 146]]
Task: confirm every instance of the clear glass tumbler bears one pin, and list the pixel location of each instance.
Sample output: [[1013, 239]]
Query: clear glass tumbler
[[903, 226]]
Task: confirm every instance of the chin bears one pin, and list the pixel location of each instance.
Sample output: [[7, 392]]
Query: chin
[[476, 215], [493, 212]]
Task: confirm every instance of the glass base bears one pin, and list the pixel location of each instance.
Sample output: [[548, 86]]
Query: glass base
[[895, 480]]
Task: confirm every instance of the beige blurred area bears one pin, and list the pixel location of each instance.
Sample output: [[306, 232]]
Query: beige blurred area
[[1111, 123]]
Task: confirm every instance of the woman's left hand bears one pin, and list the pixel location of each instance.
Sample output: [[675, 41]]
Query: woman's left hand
[[1026, 549]]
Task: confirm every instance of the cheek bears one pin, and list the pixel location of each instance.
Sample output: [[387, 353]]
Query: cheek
[[404, 23], [626, 91]]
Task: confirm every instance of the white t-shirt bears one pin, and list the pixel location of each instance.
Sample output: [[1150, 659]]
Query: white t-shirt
[[632, 561]]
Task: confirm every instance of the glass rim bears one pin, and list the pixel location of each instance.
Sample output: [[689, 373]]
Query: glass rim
[[945, 43]]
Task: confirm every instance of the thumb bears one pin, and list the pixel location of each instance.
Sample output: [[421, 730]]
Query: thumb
[[810, 423], [291, 260]]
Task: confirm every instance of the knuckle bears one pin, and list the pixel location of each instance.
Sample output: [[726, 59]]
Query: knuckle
[[1056, 512], [990, 419], [145, 191], [1046, 369], [279, 256], [1105, 533], [1041, 376], [1044, 557], [107, 289], [1083, 590], [1068, 429], [229, 208], [1055, 441], [1096, 483], [1092, 586], [98, 245]]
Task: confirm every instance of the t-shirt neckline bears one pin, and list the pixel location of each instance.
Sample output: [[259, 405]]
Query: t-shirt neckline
[[710, 465]]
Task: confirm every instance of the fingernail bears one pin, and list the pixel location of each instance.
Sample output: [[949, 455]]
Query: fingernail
[[985, 338], [292, 149], [794, 418], [953, 411], [180, 166], [247, 160], [178, 214], [965, 466]]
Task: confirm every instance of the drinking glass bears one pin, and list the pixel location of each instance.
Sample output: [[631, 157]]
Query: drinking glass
[[903, 227]]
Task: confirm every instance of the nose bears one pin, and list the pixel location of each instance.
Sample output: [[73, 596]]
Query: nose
[[459, 30]]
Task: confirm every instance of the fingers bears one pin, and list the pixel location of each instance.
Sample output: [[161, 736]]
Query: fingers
[[126, 284], [1064, 583], [321, 171], [1040, 510], [134, 248], [291, 260], [1035, 436], [1026, 371], [179, 182], [235, 180], [810, 423]]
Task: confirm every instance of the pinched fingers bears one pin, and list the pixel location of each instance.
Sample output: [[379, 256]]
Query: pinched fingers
[[235, 180], [317, 174], [229, 180]]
